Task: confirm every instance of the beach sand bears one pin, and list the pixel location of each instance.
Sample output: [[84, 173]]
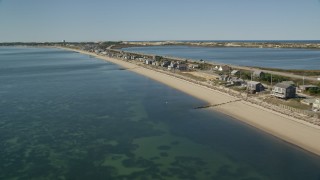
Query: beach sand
[[294, 131]]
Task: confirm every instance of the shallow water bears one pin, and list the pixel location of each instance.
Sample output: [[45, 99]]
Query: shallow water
[[64, 115], [262, 57]]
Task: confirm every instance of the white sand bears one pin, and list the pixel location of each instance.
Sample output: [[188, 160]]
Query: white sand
[[292, 130]]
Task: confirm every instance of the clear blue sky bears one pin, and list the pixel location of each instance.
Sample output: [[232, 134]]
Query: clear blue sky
[[127, 20]]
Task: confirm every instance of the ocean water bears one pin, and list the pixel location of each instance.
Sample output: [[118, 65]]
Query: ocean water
[[64, 115], [308, 59]]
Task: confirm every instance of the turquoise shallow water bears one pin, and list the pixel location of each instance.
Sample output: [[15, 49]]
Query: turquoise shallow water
[[64, 115], [261, 57]]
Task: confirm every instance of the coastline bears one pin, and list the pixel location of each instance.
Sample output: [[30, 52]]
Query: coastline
[[284, 127]]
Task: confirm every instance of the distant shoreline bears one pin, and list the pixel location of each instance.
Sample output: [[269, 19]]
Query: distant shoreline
[[227, 44], [292, 130]]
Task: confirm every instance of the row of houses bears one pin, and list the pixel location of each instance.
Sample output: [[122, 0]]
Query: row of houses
[[225, 68], [283, 90]]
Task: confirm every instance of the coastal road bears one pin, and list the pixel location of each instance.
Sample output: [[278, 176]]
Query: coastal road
[[286, 74]]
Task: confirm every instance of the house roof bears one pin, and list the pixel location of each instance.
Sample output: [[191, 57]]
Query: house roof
[[288, 82], [283, 85], [225, 67], [182, 65], [253, 82], [307, 86], [234, 71], [257, 72]]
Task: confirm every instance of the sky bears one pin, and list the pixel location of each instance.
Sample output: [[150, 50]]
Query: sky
[[145, 20]]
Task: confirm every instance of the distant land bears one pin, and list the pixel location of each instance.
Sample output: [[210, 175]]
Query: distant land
[[203, 43], [314, 44]]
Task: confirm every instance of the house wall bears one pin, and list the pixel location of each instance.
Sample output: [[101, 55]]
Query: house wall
[[316, 104]]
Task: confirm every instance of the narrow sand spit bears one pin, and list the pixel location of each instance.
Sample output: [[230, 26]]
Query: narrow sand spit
[[287, 128]]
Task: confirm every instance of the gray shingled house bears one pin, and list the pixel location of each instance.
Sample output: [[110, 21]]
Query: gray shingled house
[[255, 86], [284, 90]]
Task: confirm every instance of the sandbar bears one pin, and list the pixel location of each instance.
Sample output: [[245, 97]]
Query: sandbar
[[289, 129]]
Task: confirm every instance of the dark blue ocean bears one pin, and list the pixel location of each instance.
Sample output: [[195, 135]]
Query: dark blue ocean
[[64, 115], [283, 58]]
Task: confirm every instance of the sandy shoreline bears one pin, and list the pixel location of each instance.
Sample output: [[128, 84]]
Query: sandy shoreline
[[284, 127]]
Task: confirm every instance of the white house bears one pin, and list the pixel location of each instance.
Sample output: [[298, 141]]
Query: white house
[[316, 105]]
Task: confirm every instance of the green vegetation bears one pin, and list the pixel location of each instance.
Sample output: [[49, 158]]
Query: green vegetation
[[275, 78], [295, 103], [294, 71], [314, 91], [205, 66], [193, 76]]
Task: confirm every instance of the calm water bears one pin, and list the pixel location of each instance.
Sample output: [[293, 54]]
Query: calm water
[[64, 115], [261, 57]]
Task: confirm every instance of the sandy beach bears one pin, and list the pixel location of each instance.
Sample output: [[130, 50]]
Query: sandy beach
[[294, 131]]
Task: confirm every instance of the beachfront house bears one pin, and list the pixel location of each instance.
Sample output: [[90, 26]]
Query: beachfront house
[[288, 82], [148, 61], [224, 78], [182, 67], [133, 57], [224, 68], [258, 74], [97, 51], [283, 90], [173, 65], [235, 73], [155, 63], [236, 81], [193, 66], [165, 63], [254, 86], [126, 57], [306, 88], [316, 105]]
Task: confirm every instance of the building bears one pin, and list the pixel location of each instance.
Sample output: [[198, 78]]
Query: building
[[224, 68], [288, 82], [306, 87], [283, 90], [173, 64], [155, 63], [148, 61], [308, 101], [182, 67], [235, 73], [193, 66], [224, 78], [316, 105], [165, 63], [236, 81], [255, 86], [258, 74]]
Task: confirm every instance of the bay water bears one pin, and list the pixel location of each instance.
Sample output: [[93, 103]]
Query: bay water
[[283, 58]]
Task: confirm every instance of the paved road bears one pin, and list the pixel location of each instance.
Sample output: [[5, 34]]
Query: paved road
[[276, 73]]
